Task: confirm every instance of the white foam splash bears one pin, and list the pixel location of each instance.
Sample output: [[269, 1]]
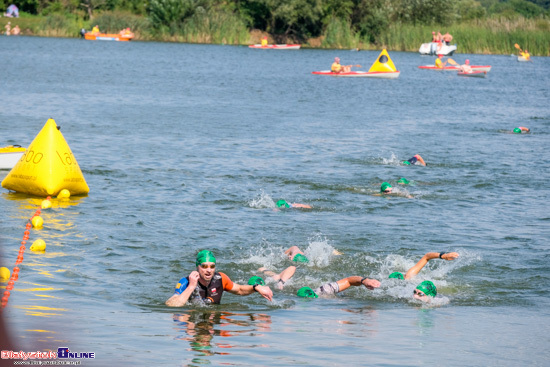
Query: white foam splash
[[262, 201]]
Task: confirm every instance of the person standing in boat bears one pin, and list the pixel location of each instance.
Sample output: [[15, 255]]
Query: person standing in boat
[[447, 38], [338, 68]]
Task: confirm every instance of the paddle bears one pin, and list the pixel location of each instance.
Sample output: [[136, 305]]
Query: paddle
[[451, 61]]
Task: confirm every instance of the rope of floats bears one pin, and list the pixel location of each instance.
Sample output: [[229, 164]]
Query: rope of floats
[[35, 221]]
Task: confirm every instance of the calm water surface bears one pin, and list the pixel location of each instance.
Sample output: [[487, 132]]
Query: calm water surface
[[186, 147]]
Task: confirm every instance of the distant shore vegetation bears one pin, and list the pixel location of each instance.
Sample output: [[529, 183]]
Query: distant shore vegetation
[[484, 26]]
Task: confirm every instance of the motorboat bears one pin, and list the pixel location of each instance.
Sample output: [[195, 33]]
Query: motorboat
[[437, 48], [10, 155]]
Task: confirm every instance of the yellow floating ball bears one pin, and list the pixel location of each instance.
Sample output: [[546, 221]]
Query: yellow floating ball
[[46, 204], [64, 194], [37, 222], [38, 245], [4, 273]]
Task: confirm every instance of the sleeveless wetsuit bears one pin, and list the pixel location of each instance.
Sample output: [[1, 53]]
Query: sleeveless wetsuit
[[327, 289], [209, 294]]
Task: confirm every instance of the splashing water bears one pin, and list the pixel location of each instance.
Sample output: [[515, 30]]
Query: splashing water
[[262, 202]]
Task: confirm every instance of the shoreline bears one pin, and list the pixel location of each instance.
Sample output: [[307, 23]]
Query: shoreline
[[303, 46]]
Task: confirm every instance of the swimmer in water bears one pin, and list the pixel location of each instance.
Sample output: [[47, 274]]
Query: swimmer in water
[[206, 286], [426, 290], [283, 203], [387, 189], [337, 287], [295, 254], [280, 278], [416, 159], [521, 130]]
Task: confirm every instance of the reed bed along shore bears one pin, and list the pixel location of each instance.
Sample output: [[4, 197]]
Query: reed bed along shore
[[486, 36]]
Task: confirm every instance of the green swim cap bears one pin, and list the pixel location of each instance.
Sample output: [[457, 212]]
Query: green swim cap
[[299, 258], [281, 203], [256, 280], [403, 181], [385, 186], [407, 163], [428, 288], [306, 292], [205, 256], [517, 130], [396, 275]]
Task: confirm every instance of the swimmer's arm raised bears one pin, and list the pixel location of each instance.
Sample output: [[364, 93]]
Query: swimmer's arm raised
[[179, 300], [429, 256]]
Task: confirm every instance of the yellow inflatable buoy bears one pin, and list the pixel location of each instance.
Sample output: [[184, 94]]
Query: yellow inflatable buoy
[[4, 273], [37, 222], [38, 245], [64, 194], [383, 63], [46, 204], [47, 167]]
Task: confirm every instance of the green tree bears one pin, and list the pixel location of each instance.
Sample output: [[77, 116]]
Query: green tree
[[171, 14], [299, 19], [370, 18]]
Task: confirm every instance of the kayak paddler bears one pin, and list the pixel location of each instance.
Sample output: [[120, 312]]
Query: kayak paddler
[[338, 68], [439, 62], [466, 67]]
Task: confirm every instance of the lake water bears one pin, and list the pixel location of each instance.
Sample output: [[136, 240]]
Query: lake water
[[186, 147]]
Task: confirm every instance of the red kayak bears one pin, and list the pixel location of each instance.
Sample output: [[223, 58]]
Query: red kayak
[[455, 68], [277, 47], [475, 74], [364, 74]]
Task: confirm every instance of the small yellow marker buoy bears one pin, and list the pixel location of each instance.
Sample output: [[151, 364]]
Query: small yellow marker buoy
[[46, 204], [38, 245], [64, 194], [4, 273], [37, 222]]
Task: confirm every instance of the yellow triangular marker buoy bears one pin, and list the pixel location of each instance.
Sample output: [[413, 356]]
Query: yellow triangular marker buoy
[[383, 63], [47, 167]]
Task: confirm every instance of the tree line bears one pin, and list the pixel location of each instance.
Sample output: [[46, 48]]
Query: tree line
[[345, 21]]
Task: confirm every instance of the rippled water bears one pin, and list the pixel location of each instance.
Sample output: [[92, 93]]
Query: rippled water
[[187, 147]]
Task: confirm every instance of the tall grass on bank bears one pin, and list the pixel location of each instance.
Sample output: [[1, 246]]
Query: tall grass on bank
[[57, 25], [489, 36], [215, 26], [114, 22], [339, 34]]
